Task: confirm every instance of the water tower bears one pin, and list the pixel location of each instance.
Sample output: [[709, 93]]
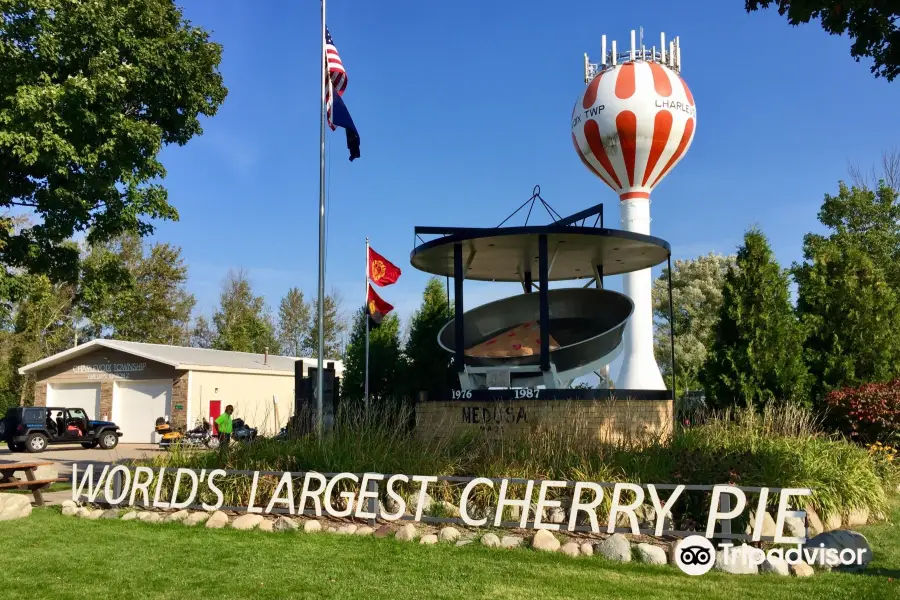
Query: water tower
[[632, 124]]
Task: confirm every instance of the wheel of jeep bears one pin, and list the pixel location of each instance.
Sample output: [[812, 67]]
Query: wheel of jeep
[[12, 447], [19, 447], [3, 428], [108, 440], [36, 442], [89, 445]]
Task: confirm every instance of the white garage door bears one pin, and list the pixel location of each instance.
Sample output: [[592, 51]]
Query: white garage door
[[137, 405], [85, 396]]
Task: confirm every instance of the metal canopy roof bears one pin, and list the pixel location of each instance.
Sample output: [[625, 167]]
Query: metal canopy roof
[[505, 254]]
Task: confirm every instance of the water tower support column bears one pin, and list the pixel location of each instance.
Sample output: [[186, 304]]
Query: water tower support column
[[639, 369]]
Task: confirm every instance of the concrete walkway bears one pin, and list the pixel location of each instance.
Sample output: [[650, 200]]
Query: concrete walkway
[[63, 457]]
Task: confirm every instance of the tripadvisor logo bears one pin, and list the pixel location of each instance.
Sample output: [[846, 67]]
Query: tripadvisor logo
[[696, 555]]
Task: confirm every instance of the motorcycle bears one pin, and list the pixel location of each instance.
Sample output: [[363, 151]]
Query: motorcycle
[[201, 435], [241, 432]]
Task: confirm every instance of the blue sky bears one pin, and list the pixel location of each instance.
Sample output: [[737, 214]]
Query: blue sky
[[464, 106]]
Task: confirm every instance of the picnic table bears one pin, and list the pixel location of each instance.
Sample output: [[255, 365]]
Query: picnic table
[[36, 486]]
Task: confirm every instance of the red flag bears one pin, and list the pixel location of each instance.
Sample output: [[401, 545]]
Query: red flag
[[382, 272], [376, 308]]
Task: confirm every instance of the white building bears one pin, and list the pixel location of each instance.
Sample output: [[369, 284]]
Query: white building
[[133, 384]]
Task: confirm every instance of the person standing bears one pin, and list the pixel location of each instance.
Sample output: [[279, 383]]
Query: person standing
[[223, 422]]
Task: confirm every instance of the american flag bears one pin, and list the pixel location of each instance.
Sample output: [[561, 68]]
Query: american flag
[[336, 80]]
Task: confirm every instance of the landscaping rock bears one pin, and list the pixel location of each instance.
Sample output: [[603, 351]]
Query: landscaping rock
[[857, 517], [196, 518], [449, 509], [646, 515], [652, 555], [347, 529], [449, 534], [844, 539], [407, 533], [768, 525], [738, 561], [312, 526], [217, 520], [267, 525], [511, 541], [129, 516], [384, 531], [801, 569], [112, 513], [14, 506], [68, 503], [463, 542], [95, 514], [615, 547], [794, 527], [832, 522], [364, 531], [82, 512], [178, 517], [813, 523], [69, 511], [544, 540], [775, 565], [247, 522], [556, 515], [587, 549], [570, 549], [284, 524], [490, 540], [149, 517], [429, 540]]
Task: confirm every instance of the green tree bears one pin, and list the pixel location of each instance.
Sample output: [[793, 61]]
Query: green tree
[[334, 327], [242, 322], [42, 324], [849, 289], [757, 352], [90, 92], [202, 335], [293, 322], [130, 293], [874, 27], [385, 361], [697, 298], [429, 366]]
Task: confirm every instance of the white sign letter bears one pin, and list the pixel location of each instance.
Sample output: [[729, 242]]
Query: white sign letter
[[784, 512], [365, 495], [543, 503], [312, 494], [628, 509], [464, 501], [714, 513], [348, 496], [285, 482], [524, 503], [663, 510], [590, 508]]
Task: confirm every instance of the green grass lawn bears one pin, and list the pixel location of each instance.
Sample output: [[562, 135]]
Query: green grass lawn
[[51, 556]]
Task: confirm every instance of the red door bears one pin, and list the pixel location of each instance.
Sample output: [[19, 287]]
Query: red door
[[215, 409]]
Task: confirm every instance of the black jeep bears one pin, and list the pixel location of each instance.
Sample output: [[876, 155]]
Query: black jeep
[[31, 429]]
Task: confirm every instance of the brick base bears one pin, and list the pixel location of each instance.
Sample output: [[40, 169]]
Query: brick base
[[40, 394], [614, 421], [179, 398], [106, 400]]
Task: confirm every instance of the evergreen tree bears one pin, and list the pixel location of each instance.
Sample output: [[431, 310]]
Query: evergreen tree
[[385, 361], [697, 298], [849, 289], [293, 322], [429, 366], [242, 321], [334, 327], [757, 352]]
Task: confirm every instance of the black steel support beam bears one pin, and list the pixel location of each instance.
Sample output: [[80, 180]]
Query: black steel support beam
[[599, 272], [583, 214], [527, 283], [459, 330], [672, 331], [543, 276]]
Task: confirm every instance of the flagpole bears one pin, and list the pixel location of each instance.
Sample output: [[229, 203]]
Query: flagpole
[[366, 316], [320, 375]]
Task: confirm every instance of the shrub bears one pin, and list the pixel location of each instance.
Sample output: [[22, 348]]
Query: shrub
[[779, 446], [868, 413]]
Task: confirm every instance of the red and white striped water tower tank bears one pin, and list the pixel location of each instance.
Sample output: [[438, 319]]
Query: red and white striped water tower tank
[[632, 124]]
